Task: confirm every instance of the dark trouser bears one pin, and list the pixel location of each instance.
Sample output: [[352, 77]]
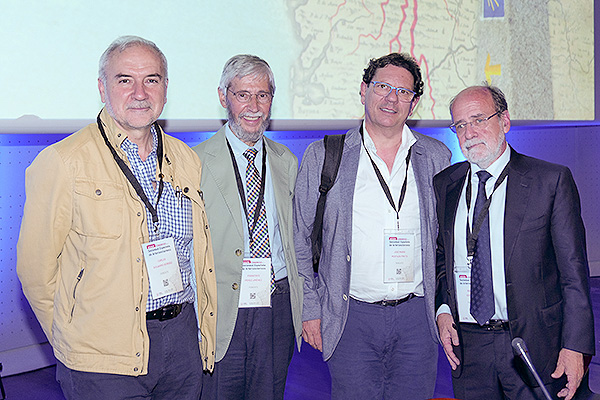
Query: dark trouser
[[174, 367], [385, 353], [256, 362], [488, 370]]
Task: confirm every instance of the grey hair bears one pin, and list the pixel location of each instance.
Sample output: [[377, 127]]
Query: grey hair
[[121, 44], [500, 104], [243, 65]]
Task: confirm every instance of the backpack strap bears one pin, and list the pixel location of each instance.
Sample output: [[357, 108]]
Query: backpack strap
[[334, 146]]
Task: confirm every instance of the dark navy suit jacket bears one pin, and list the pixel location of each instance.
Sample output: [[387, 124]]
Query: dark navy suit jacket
[[546, 268]]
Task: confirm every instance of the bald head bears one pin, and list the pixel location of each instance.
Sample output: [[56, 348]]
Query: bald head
[[480, 118]]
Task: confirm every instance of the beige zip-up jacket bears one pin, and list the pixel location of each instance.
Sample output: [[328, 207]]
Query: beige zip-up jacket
[[79, 255]]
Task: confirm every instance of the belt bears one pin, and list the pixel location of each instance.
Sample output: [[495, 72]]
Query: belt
[[165, 313], [491, 325], [394, 303]]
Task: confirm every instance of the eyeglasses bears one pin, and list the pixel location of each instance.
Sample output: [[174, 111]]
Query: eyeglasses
[[384, 89], [244, 96], [461, 127]]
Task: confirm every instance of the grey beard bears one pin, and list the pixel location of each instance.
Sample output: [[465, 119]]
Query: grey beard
[[244, 135]]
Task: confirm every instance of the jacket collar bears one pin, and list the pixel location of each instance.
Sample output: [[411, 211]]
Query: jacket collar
[[114, 133]]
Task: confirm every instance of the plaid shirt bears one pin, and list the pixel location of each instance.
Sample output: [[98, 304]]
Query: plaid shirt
[[174, 219]]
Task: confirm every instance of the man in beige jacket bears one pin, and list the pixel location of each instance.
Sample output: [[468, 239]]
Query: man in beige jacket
[[114, 253]]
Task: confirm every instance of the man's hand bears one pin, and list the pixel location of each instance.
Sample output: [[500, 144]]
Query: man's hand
[[449, 337], [569, 363], [311, 333]]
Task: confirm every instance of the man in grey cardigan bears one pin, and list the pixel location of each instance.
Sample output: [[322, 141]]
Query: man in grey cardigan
[[370, 309]]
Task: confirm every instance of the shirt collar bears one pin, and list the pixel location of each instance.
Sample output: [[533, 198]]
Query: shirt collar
[[408, 139], [497, 166], [127, 144], [119, 137], [237, 146]]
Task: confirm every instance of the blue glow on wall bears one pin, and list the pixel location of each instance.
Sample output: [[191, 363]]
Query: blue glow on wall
[[575, 146]]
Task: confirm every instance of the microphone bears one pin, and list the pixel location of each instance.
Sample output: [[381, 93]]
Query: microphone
[[520, 349]]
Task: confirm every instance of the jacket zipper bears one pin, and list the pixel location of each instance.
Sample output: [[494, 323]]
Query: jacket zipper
[[79, 276]]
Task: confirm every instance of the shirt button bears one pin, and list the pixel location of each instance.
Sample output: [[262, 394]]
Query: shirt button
[[212, 313], [139, 214], [138, 259], [137, 309], [238, 252], [345, 297], [348, 257], [235, 286], [210, 270], [135, 369], [186, 189], [98, 192], [137, 354]]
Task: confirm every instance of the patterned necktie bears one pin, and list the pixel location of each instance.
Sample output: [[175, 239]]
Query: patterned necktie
[[259, 240], [482, 291]]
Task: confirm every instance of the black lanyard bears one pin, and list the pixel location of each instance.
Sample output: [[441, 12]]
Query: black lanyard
[[131, 177], [240, 186], [382, 182], [473, 235]]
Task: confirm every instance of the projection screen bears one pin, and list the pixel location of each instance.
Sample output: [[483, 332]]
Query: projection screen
[[540, 52]]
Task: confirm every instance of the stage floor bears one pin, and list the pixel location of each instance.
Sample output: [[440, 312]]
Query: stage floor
[[308, 376]]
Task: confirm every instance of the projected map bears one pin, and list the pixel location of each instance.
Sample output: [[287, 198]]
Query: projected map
[[539, 52]]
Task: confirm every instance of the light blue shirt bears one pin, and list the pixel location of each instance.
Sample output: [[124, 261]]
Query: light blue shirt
[[277, 256]]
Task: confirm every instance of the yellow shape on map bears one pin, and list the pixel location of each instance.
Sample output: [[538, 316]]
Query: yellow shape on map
[[491, 3], [491, 70]]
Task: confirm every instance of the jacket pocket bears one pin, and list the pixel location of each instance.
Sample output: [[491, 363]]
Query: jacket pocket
[[534, 224], [552, 315], [98, 208]]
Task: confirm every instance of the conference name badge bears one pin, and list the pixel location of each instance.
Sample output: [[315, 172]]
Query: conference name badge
[[255, 289], [163, 268], [462, 281], [399, 256]]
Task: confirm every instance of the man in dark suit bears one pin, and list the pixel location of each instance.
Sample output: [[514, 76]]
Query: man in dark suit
[[248, 184], [519, 270]]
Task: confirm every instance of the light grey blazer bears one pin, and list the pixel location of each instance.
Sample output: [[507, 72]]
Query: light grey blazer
[[326, 296], [222, 205]]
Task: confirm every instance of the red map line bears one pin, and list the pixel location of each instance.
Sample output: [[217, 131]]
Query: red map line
[[337, 11], [397, 37], [448, 12], [421, 60], [376, 38]]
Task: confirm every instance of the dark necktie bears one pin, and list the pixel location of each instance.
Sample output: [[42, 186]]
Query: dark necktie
[[259, 241], [482, 291]]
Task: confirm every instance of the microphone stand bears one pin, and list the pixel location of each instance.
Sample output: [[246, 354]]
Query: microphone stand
[[520, 349]]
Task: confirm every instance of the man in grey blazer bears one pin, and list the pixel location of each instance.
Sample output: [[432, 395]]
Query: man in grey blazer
[[370, 309], [248, 185]]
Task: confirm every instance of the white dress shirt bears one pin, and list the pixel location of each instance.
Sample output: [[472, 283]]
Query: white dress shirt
[[372, 213], [277, 256]]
